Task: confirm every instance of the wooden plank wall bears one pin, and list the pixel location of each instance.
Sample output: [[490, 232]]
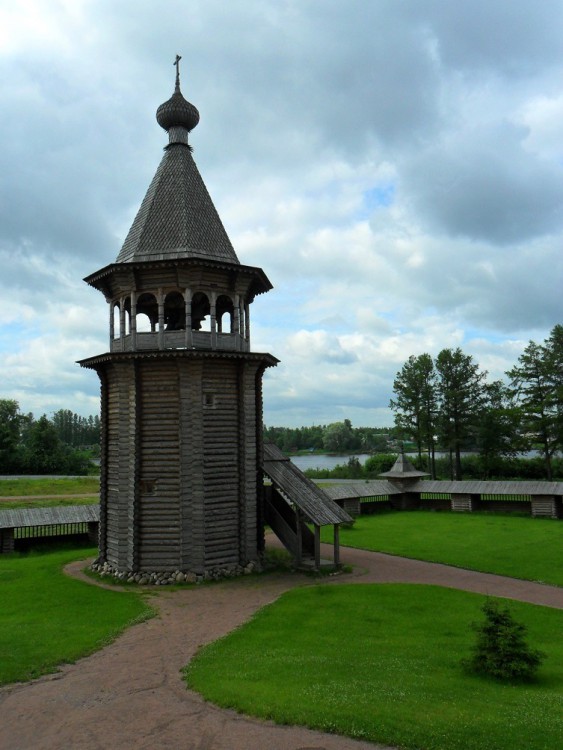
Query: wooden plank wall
[[220, 417], [102, 538], [120, 458], [181, 470], [159, 480], [192, 496], [250, 409]]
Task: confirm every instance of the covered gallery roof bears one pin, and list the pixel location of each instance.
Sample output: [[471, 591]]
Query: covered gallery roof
[[24, 517]]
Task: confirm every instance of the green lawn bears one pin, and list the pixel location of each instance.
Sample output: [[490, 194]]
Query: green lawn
[[45, 486], [46, 502], [516, 546], [47, 618], [382, 663]]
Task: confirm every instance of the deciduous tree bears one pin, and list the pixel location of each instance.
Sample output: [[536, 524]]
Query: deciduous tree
[[44, 451], [338, 436], [10, 430]]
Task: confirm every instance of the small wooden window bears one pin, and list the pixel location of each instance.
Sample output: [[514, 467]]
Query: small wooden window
[[209, 400], [147, 486]]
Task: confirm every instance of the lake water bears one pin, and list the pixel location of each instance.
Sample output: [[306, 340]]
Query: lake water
[[329, 462], [324, 462]]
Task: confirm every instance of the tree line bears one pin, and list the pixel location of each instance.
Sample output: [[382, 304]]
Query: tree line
[[439, 404], [447, 402], [63, 444], [473, 467], [337, 437]]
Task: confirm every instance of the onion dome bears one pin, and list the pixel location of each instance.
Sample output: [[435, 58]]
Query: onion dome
[[177, 111]]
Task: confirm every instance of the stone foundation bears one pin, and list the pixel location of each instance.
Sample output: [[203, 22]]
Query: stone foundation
[[166, 578]]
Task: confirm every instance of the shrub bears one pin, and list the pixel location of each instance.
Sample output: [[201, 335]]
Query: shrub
[[501, 650], [379, 464]]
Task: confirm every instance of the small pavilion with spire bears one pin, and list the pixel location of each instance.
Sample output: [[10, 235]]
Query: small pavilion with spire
[[404, 476]]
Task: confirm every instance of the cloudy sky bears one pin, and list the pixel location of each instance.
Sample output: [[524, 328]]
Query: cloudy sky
[[394, 166]]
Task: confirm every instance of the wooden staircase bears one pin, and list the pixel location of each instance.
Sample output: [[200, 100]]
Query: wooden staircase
[[295, 535], [292, 504]]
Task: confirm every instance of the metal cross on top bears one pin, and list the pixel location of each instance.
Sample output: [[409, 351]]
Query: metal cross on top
[[177, 64]]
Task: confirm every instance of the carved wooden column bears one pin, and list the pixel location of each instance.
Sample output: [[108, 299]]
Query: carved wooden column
[[213, 317], [133, 323], [160, 299], [236, 322], [188, 304]]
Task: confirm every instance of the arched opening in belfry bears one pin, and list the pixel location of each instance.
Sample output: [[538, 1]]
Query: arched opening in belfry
[[225, 310], [201, 312], [174, 312], [147, 313], [116, 320], [127, 316]]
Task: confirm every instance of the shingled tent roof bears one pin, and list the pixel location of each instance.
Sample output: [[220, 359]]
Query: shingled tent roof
[[403, 469], [300, 490], [177, 218]]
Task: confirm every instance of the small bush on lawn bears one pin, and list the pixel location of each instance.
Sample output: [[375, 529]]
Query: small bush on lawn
[[501, 650]]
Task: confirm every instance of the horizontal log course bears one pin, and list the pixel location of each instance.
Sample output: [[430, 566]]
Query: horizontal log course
[[224, 554], [176, 463], [218, 542], [226, 487], [215, 511], [226, 475], [159, 519]]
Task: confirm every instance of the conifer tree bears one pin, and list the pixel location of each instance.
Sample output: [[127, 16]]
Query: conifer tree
[[415, 403], [532, 380], [460, 398], [501, 650]]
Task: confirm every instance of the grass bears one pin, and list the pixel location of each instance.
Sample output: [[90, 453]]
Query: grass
[[46, 502], [49, 493], [382, 663], [47, 618], [515, 546], [45, 487]]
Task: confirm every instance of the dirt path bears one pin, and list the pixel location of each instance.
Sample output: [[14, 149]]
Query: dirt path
[[130, 695]]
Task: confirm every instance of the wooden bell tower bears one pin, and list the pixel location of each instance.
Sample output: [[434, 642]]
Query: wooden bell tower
[[181, 391]]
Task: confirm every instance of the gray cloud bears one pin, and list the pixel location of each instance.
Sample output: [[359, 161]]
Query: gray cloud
[[395, 168], [510, 37], [486, 186]]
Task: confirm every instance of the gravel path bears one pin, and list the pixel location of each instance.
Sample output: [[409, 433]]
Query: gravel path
[[130, 695]]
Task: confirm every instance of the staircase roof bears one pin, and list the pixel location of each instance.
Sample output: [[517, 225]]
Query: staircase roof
[[317, 506]]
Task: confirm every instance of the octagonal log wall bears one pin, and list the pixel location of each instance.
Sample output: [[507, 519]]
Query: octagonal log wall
[[180, 462]]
